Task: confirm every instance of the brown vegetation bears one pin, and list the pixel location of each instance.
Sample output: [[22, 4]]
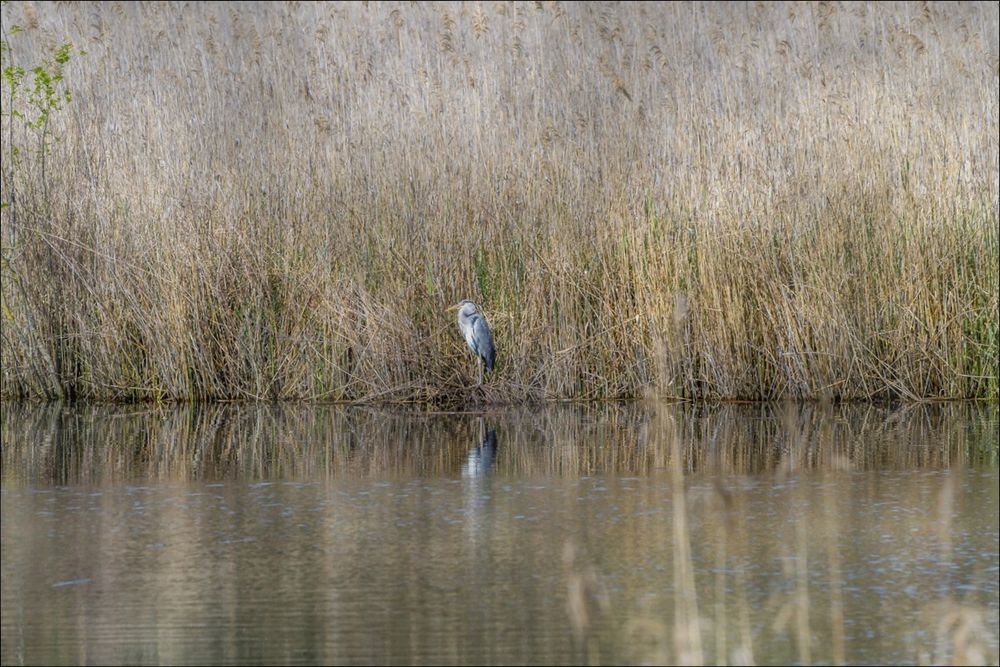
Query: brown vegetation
[[714, 200]]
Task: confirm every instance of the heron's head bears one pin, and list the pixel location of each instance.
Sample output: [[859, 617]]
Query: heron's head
[[465, 307]]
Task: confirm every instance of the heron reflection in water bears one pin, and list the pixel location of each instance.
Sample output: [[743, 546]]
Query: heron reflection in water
[[476, 331], [479, 462]]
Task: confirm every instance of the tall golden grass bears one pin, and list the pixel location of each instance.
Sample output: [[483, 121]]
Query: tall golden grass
[[279, 201]]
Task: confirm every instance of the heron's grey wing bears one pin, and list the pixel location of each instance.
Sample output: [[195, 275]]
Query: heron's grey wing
[[483, 338]]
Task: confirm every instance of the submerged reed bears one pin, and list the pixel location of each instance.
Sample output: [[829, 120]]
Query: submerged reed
[[708, 201]]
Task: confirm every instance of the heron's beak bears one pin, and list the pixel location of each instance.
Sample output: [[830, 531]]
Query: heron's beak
[[455, 307]]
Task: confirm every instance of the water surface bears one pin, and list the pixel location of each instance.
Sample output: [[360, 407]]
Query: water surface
[[645, 533]]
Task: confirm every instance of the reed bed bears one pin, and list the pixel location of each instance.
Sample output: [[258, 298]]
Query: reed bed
[[278, 201]]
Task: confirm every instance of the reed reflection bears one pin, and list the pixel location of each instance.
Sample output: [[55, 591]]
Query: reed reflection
[[60, 444], [563, 536]]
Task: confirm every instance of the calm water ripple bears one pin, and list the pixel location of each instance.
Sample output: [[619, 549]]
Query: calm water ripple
[[637, 534]]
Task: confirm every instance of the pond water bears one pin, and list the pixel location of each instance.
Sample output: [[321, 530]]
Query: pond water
[[647, 533]]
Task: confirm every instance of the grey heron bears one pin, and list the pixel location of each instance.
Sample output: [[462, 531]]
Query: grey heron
[[477, 334]]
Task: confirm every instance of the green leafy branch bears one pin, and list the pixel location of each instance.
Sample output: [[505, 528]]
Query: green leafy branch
[[31, 96]]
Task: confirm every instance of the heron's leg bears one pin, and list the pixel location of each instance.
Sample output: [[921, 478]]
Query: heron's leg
[[479, 362]]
